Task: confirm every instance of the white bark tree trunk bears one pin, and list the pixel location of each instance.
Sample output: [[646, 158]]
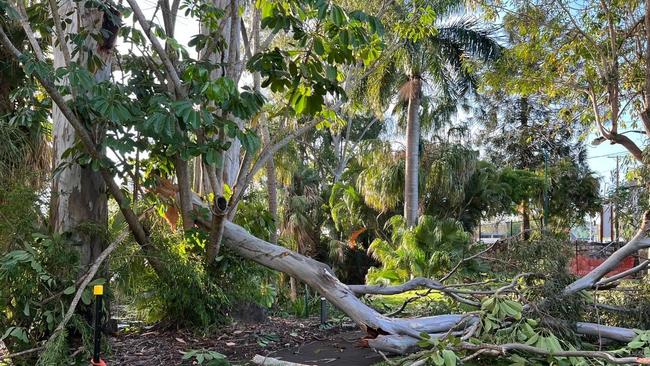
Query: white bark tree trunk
[[321, 278], [79, 198], [412, 152], [232, 156], [230, 28]]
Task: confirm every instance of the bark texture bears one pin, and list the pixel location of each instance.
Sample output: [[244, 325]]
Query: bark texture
[[79, 199], [412, 151]]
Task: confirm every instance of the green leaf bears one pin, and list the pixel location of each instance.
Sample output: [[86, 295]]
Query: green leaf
[[11, 12], [16, 332], [318, 46], [338, 16], [86, 297], [323, 6], [449, 357], [70, 290], [635, 344], [437, 359], [249, 140], [331, 72], [97, 281], [189, 354], [213, 157]]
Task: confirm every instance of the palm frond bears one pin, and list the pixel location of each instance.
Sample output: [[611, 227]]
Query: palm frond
[[474, 38]]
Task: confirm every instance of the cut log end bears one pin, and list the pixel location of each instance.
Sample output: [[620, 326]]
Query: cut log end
[[269, 361]]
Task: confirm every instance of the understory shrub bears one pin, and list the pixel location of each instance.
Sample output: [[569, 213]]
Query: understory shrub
[[188, 294], [629, 304], [545, 257], [19, 213], [37, 284]]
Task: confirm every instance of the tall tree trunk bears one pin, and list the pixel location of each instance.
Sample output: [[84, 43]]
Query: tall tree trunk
[[230, 28], [232, 157], [412, 152], [272, 188], [524, 208], [79, 198], [184, 191], [525, 218], [197, 176]]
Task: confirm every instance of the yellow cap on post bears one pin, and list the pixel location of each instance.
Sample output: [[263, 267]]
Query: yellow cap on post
[[98, 290]]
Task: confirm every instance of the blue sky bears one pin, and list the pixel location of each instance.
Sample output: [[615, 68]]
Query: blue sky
[[602, 159]]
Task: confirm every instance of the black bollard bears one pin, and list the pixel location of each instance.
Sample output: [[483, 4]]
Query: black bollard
[[98, 291], [323, 311]]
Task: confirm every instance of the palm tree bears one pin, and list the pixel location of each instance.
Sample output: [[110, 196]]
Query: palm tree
[[381, 179], [429, 70], [426, 250]]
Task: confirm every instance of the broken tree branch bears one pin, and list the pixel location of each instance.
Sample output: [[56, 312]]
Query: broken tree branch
[[640, 267], [503, 349], [269, 361], [638, 242], [21, 353]]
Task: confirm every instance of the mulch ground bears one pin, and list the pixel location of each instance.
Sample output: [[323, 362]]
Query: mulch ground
[[296, 340]]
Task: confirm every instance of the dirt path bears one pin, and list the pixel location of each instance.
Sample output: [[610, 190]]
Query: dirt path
[[338, 349], [296, 340]]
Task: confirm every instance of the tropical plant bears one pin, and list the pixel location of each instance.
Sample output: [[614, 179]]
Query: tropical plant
[[428, 250], [381, 180]]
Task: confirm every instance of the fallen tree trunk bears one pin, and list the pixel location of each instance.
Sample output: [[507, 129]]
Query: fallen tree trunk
[[398, 335], [321, 278]]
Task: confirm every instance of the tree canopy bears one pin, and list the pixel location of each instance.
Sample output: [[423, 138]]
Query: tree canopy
[[204, 158]]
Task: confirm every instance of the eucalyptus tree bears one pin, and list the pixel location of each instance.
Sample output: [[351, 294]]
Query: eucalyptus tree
[[85, 39], [428, 65]]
